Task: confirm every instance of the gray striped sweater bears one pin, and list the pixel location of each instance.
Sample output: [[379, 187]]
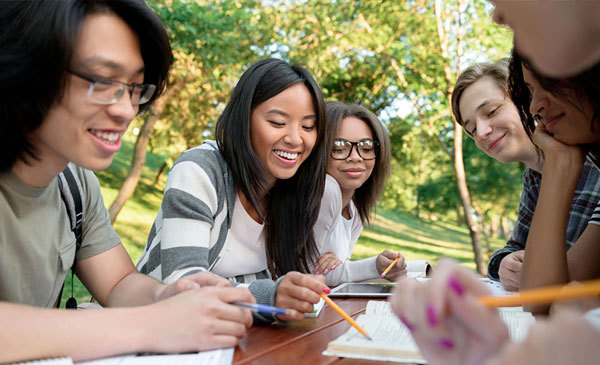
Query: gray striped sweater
[[193, 221]]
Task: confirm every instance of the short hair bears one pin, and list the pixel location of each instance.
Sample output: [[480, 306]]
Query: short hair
[[365, 197], [498, 71], [293, 204], [585, 86], [37, 42]]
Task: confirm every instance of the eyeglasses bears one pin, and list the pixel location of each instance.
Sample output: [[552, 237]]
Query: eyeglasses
[[366, 148], [110, 91]]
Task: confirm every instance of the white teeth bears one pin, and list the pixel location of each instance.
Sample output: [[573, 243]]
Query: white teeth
[[286, 155], [110, 137]]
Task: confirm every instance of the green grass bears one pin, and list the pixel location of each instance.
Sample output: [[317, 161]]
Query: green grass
[[417, 239], [393, 230]]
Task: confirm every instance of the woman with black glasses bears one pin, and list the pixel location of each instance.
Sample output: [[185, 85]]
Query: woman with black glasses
[[358, 164]]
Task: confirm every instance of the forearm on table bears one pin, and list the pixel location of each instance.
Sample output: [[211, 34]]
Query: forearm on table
[[545, 260], [33, 333], [352, 271], [135, 289]]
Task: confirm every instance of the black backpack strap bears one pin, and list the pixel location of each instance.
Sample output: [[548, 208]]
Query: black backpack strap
[[71, 193]]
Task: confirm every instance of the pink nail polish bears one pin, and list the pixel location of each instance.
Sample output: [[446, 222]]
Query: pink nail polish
[[446, 343], [325, 272], [326, 290], [455, 285], [431, 316], [333, 267]]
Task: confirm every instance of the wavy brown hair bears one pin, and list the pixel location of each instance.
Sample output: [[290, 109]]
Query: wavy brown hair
[[498, 71]]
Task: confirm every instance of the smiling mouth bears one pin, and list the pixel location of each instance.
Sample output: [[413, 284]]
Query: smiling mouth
[[551, 122], [287, 155], [496, 143], [108, 137]]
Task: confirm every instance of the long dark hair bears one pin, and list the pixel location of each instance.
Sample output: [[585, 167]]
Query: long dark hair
[[584, 87], [365, 197], [292, 204], [37, 42]]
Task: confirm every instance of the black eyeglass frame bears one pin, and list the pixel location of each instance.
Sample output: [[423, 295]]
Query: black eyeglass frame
[[130, 88], [352, 144]]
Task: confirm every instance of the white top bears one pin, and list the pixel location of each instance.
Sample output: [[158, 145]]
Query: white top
[[244, 250], [336, 234]]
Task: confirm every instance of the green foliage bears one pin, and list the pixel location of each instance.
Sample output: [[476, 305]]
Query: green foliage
[[213, 43]]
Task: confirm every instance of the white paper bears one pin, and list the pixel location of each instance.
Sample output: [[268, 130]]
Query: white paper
[[214, 357], [317, 309], [392, 341]]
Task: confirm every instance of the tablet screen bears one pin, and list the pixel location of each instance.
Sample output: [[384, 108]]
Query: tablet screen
[[363, 290]]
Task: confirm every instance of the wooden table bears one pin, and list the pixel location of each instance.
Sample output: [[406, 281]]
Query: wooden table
[[300, 342]]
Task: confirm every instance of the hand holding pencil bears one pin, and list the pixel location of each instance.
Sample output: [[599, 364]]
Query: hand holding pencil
[[391, 265], [453, 317], [297, 293]]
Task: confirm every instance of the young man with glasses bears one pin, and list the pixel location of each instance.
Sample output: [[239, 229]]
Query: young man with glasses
[[73, 74], [359, 163]]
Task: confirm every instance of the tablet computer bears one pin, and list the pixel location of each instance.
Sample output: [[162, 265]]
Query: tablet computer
[[362, 290]]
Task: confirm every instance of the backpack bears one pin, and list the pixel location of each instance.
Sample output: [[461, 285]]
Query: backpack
[[71, 192]]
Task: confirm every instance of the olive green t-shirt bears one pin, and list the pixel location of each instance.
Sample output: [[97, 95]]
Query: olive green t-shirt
[[37, 245]]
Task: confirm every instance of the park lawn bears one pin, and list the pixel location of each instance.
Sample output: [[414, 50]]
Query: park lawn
[[399, 231]]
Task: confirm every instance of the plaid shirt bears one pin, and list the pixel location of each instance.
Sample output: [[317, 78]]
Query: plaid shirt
[[585, 200]]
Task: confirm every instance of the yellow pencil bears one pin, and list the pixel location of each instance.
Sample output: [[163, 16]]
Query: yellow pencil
[[384, 273], [345, 315], [547, 294]]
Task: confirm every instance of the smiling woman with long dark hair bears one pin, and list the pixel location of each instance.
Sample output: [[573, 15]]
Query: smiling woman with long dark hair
[[244, 207]]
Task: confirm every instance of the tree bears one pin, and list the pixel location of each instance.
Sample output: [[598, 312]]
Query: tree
[[211, 41], [375, 53]]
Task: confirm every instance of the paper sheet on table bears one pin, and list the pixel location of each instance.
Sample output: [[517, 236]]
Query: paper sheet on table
[[317, 309], [392, 341], [55, 361], [215, 357], [496, 287]]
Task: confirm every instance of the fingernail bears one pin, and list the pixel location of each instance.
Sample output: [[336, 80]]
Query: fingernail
[[315, 270], [455, 285], [408, 325], [326, 271], [326, 290], [446, 343], [333, 267], [431, 316]]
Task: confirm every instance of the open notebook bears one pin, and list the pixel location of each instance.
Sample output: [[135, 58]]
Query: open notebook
[[392, 341]]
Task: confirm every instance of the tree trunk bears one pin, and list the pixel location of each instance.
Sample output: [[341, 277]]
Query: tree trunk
[[160, 172], [494, 226], [505, 227], [459, 216], [486, 236], [459, 167], [463, 191], [139, 152]]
